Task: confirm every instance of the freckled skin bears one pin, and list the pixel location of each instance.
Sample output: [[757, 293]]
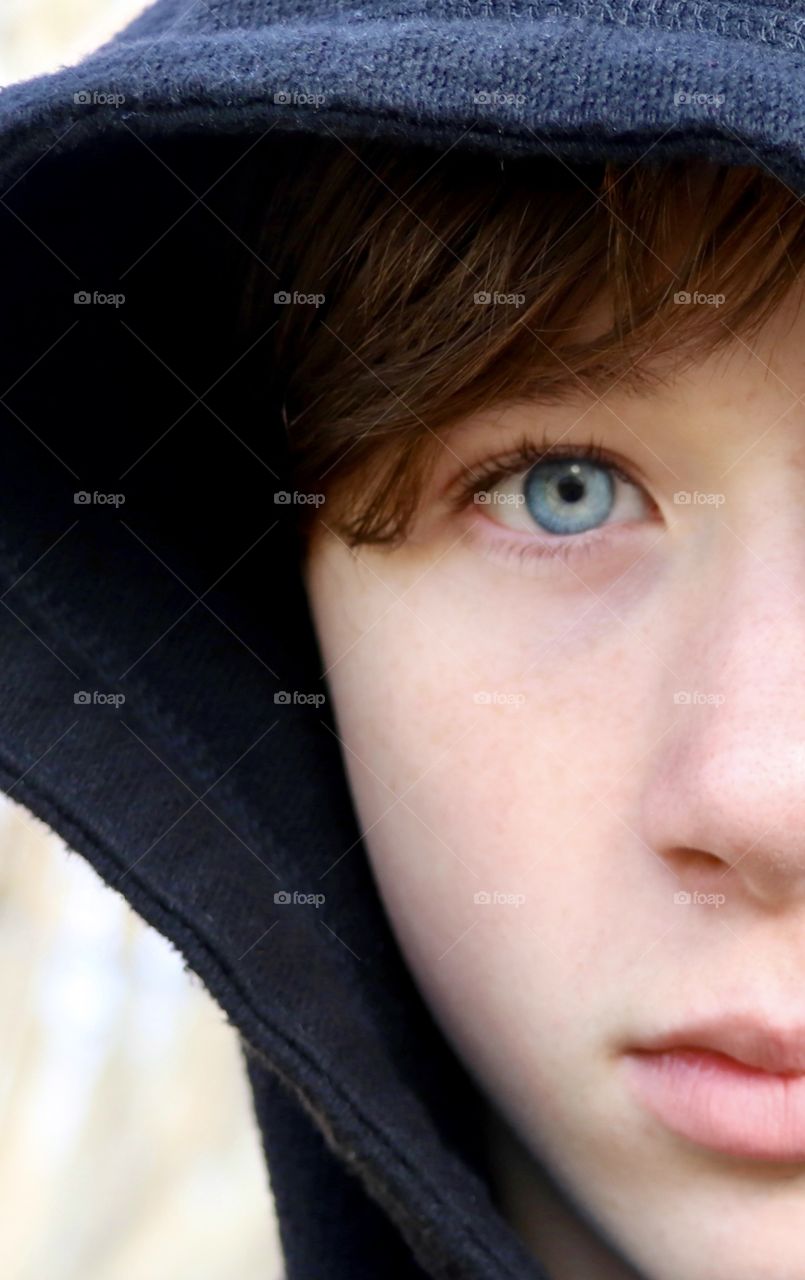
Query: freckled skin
[[592, 796]]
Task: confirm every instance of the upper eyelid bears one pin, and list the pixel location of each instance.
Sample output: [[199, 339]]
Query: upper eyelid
[[490, 470]]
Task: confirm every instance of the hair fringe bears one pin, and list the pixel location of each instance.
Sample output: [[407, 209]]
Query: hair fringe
[[401, 242]]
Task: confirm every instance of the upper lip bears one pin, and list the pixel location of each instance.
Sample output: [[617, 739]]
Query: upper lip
[[752, 1040]]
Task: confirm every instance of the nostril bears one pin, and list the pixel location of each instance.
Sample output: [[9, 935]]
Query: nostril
[[688, 862]]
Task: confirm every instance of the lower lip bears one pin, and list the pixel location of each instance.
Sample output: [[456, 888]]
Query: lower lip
[[722, 1104]]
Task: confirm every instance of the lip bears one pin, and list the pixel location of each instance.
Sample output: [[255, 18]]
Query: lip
[[735, 1085], [756, 1042]]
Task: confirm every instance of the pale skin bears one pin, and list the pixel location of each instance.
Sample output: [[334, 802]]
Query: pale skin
[[583, 790]]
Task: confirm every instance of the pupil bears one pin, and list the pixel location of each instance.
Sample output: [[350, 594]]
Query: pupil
[[571, 489]]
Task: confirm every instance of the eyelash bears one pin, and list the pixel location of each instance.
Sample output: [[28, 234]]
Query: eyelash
[[525, 454]]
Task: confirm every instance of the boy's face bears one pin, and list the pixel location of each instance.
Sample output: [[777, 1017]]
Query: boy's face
[[582, 783]]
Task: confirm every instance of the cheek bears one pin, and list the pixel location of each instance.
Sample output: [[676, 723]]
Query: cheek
[[478, 775]]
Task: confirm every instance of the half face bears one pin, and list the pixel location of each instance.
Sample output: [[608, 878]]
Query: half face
[[572, 709]]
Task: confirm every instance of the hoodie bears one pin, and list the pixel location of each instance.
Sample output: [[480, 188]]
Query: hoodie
[[154, 621]]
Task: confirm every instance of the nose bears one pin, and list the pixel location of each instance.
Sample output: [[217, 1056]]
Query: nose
[[724, 803]]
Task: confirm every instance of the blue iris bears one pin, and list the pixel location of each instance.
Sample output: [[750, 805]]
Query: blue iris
[[568, 495]]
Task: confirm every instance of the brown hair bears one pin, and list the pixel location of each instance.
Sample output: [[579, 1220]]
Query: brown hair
[[402, 242]]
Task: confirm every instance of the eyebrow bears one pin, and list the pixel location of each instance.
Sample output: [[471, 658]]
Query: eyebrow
[[591, 386]]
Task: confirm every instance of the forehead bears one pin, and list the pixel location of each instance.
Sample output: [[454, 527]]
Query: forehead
[[746, 395], [703, 338]]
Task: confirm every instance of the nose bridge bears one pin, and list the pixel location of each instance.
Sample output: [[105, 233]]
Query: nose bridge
[[732, 784]]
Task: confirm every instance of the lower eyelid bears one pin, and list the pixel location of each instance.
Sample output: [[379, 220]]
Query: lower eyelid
[[522, 551], [542, 542]]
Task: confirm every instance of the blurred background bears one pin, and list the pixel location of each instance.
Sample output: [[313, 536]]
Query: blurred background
[[41, 35], [128, 1148]]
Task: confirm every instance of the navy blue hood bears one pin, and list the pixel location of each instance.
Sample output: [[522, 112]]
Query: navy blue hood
[[154, 618]]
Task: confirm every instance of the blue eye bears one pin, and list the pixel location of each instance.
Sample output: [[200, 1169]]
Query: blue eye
[[569, 495], [561, 494]]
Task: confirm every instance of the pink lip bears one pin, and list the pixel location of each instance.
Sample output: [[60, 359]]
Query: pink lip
[[736, 1085]]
